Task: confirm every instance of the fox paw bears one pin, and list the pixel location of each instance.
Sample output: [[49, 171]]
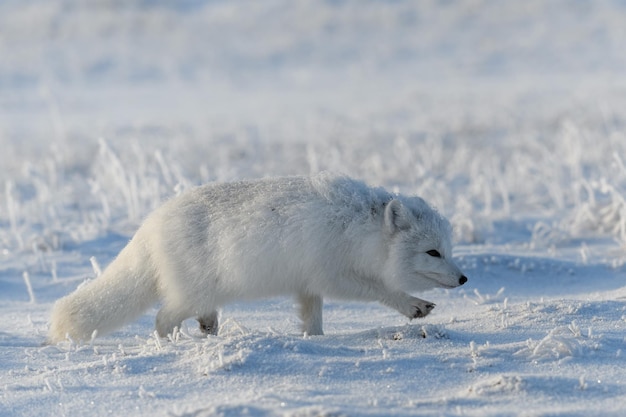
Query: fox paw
[[422, 310], [209, 324]]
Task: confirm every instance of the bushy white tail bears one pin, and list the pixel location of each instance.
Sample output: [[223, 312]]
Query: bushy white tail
[[125, 289]]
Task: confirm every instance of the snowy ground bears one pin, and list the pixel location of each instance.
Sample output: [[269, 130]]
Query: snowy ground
[[508, 116]]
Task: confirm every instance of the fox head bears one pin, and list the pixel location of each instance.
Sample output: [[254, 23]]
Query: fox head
[[420, 249]]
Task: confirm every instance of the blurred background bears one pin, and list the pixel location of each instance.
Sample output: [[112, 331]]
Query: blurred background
[[494, 111]]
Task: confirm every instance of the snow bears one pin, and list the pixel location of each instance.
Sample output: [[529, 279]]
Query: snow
[[507, 116]]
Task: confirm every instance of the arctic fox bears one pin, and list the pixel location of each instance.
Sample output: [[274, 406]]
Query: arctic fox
[[311, 237]]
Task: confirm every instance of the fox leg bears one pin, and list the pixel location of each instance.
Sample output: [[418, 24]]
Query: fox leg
[[405, 304], [311, 314], [209, 323], [168, 318]]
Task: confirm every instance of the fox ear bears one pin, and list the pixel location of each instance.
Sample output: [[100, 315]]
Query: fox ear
[[396, 216]]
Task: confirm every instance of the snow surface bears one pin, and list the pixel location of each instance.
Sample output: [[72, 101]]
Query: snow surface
[[510, 117]]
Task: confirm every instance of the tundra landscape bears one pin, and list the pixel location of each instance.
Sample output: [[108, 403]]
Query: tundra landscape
[[508, 117]]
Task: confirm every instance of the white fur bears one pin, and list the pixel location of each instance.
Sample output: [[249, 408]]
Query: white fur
[[312, 237]]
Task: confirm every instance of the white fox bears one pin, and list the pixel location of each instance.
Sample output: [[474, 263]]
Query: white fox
[[312, 237]]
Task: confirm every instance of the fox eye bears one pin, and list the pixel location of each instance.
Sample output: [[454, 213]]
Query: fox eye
[[434, 253]]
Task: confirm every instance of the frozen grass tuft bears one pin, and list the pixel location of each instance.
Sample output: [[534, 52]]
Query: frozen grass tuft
[[132, 184], [560, 343], [29, 287], [602, 207]]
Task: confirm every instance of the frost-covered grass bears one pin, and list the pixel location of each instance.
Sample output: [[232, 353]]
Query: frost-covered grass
[[507, 116]]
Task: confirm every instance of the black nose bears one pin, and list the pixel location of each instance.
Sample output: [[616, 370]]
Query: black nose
[[462, 280]]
